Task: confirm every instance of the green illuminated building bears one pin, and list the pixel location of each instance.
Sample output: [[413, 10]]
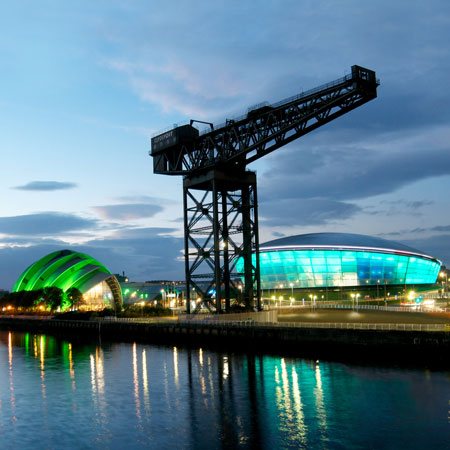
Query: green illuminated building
[[329, 260], [66, 269]]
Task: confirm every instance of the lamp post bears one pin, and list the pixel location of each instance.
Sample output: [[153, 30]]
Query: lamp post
[[313, 300], [240, 287], [280, 297], [163, 297], [444, 278], [292, 291]]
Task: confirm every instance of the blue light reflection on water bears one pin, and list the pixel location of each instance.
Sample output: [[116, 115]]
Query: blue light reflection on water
[[56, 394]]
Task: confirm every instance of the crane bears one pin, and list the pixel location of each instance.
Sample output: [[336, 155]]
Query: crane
[[219, 193]]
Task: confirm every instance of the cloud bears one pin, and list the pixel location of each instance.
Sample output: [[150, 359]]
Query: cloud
[[132, 207], [176, 86], [398, 207], [419, 230], [364, 169], [240, 61], [300, 212], [145, 199], [143, 253], [46, 186], [26, 241], [435, 245], [390, 143], [45, 224], [142, 233], [334, 168], [130, 211]]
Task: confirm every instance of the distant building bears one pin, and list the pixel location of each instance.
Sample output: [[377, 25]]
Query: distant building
[[163, 292], [66, 269], [341, 260]]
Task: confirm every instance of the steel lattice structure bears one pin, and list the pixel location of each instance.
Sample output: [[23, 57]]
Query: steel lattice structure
[[220, 196]]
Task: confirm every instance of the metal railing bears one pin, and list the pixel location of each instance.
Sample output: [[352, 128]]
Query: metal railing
[[212, 321], [349, 306], [166, 319], [324, 325], [413, 308]]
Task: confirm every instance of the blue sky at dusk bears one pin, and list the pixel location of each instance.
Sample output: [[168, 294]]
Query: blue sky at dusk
[[85, 84]]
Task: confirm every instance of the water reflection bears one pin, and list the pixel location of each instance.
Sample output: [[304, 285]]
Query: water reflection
[[71, 365], [145, 382], [320, 404], [11, 378], [140, 396], [136, 382], [42, 365]]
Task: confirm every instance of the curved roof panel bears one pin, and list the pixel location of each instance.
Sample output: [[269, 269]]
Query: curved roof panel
[[339, 241], [63, 269]]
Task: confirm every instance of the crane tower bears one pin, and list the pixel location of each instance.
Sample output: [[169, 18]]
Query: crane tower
[[219, 193]]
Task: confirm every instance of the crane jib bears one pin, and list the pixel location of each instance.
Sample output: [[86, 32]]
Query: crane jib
[[185, 150]]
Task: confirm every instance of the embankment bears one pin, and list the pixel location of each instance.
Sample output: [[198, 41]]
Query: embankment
[[316, 342]]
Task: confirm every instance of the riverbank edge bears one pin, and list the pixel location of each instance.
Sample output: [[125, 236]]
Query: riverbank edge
[[393, 345]]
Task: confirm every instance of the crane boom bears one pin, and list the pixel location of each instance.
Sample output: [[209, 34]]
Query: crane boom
[[262, 130]]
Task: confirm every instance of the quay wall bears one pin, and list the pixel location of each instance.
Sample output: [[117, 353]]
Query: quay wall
[[252, 336]]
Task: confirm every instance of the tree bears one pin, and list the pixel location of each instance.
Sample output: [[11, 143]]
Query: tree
[[74, 297], [53, 297]]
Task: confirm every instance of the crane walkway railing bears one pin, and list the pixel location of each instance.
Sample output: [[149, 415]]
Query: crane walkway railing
[[280, 103]]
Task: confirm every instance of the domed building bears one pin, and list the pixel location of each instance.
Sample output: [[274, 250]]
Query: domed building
[[333, 260], [66, 269]]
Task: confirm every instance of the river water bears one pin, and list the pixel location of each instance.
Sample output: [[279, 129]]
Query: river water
[[62, 394]]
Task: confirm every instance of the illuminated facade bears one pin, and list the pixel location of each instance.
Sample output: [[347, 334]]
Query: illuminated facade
[[66, 269], [327, 260]]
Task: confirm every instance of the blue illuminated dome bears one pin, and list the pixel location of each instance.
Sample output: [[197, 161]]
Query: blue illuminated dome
[[341, 259]]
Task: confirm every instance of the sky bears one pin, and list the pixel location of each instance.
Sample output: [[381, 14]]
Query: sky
[[85, 84]]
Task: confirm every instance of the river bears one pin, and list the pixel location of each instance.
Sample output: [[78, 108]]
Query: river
[[63, 394]]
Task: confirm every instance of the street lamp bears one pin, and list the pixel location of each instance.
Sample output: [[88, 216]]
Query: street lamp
[[313, 300], [240, 287], [280, 298], [443, 276]]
